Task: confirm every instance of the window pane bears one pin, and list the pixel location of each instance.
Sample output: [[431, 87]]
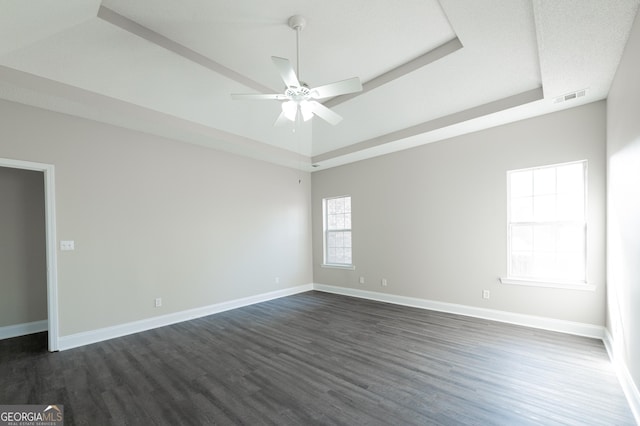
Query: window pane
[[339, 205], [571, 238], [347, 239], [521, 264], [331, 254], [347, 204], [521, 183], [544, 265], [331, 206], [521, 238], [544, 181], [522, 209], [570, 207], [544, 208], [544, 239], [571, 267], [332, 222]]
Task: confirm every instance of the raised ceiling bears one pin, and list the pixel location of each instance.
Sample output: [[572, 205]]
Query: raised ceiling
[[431, 69]]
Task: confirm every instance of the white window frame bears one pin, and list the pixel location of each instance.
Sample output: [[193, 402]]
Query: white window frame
[[326, 231], [554, 282]]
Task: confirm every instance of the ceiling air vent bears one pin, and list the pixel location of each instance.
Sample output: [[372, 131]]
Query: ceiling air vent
[[570, 96]]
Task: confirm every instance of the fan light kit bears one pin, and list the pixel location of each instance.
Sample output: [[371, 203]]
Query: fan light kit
[[298, 100]]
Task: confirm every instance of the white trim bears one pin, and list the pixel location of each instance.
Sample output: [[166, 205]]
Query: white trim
[[337, 266], [548, 284], [562, 326], [9, 331], [52, 263], [94, 336], [624, 376], [50, 231]]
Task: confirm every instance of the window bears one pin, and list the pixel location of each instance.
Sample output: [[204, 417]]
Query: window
[[547, 224], [337, 231]]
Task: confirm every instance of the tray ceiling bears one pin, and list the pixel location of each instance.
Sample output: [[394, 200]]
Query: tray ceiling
[[431, 69]]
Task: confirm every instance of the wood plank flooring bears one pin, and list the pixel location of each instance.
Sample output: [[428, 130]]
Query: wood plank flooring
[[317, 358]]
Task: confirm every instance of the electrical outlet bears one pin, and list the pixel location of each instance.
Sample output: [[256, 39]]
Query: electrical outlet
[[361, 280], [486, 294], [277, 280], [383, 283], [158, 302]]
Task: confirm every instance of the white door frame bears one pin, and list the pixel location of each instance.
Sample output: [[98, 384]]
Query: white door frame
[[50, 223]]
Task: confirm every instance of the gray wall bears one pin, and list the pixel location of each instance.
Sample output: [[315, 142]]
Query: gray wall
[[623, 213], [432, 220], [23, 268], [151, 217]]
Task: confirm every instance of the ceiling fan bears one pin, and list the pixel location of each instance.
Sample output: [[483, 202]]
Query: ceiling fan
[[298, 99]]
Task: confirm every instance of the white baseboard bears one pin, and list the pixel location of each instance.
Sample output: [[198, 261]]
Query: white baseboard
[[624, 377], [16, 330], [569, 327], [94, 336], [581, 329]]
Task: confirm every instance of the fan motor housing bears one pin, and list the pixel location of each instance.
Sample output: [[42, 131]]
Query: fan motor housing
[[298, 94], [297, 22]]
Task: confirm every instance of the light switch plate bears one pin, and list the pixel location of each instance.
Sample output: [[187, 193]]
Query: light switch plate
[[67, 245]]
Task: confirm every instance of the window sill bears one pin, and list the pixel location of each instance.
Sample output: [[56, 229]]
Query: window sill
[[549, 284], [335, 266]]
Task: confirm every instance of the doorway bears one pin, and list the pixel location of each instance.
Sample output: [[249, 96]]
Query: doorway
[[50, 242]]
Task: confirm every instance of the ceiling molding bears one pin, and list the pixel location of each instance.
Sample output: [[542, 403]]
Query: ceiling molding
[[400, 71], [150, 121], [438, 123], [135, 28]]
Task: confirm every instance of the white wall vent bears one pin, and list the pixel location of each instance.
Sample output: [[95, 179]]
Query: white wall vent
[[570, 96]]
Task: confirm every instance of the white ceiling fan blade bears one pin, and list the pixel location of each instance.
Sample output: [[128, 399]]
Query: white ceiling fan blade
[[338, 88], [325, 113], [286, 71], [258, 96]]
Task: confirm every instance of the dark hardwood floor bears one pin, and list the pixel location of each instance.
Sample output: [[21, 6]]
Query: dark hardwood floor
[[317, 358]]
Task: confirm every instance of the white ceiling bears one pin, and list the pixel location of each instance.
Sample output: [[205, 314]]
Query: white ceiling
[[431, 69]]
